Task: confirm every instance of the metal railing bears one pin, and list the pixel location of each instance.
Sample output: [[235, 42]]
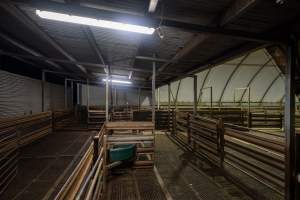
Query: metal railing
[[88, 179], [256, 154]]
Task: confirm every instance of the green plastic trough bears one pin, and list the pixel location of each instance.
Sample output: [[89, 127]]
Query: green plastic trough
[[122, 152]]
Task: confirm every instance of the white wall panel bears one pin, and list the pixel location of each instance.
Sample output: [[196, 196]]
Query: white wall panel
[[239, 79], [217, 79], [276, 92], [219, 75], [261, 83], [185, 94], [163, 93]]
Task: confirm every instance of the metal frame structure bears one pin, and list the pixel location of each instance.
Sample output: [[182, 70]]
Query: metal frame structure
[[230, 77], [210, 96], [249, 96], [289, 125]]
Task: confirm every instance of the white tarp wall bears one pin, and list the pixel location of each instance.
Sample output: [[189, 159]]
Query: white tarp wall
[[256, 70], [20, 95]]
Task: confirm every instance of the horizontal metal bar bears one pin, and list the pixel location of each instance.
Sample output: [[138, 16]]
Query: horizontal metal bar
[[43, 58]]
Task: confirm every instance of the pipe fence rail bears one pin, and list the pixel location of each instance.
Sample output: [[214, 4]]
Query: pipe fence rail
[[257, 154]]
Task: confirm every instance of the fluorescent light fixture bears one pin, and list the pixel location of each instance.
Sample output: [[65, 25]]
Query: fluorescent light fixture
[[152, 5], [94, 22], [117, 81]]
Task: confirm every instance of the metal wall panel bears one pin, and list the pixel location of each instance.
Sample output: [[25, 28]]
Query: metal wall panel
[[20, 95], [124, 96]]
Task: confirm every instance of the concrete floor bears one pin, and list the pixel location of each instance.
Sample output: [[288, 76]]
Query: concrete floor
[[190, 178]]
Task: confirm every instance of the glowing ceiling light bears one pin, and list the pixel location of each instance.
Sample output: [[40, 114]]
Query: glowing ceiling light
[[117, 81], [94, 22], [152, 5]]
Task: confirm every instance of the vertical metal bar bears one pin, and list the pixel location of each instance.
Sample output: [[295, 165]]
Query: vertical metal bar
[[72, 93], [169, 105], [87, 100], [106, 97], [66, 93], [249, 100], [211, 99], [153, 89], [96, 149], [43, 90], [176, 97], [158, 99], [116, 90], [139, 99], [115, 97], [78, 95], [195, 95], [110, 89], [289, 121]]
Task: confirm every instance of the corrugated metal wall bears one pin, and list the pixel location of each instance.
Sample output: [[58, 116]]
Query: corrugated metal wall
[[20, 95], [124, 96]]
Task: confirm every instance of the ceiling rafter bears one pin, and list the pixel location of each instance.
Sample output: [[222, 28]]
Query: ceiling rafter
[[93, 43], [88, 64], [172, 23], [23, 18], [237, 8], [27, 49]]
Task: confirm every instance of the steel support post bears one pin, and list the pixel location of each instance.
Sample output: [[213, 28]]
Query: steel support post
[[139, 99], [66, 93], [43, 90], [195, 95], [158, 99], [249, 100], [72, 93], [115, 97], [289, 121], [169, 105], [87, 101], [106, 97], [153, 90]]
